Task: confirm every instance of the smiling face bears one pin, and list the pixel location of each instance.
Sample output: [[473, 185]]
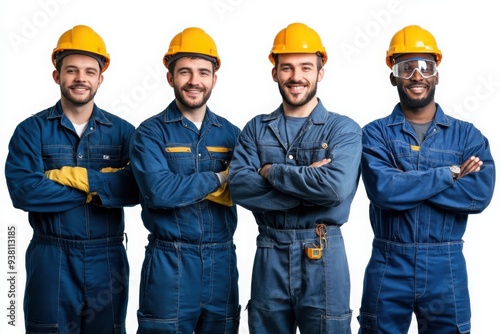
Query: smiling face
[[79, 78], [416, 92], [297, 75], [193, 80]]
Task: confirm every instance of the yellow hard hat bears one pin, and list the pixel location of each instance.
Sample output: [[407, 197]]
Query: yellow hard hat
[[85, 39], [192, 41], [298, 38], [412, 39]]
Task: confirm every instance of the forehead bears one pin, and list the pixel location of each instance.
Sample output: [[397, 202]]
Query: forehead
[[297, 58], [194, 63], [405, 56], [80, 60]]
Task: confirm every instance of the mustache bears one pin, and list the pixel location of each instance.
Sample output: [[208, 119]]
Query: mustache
[[295, 82], [191, 86], [79, 86]]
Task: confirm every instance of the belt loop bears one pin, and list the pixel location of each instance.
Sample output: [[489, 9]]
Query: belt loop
[[126, 241]]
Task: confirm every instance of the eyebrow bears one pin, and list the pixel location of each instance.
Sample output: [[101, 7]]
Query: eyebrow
[[299, 64], [194, 69], [78, 67]]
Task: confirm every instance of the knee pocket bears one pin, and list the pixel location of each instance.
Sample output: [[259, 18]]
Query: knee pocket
[[464, 328], [119, 328], [154, 325], [38, 328], [337, 324], [367, 321]]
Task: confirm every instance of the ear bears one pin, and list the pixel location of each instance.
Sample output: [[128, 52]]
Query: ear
[[55, 76], [274, 73], [170, 79], [437, 78], [215, 80], [393, 80], [321, 73], [101, 79]]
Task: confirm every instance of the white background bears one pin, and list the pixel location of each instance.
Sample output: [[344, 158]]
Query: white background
[[356, 34]]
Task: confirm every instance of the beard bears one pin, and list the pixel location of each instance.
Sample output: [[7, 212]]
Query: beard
[[190, 103], [288, 100], [65, 92], [416, 103]]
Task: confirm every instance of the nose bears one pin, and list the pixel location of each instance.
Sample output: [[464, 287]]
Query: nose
[[80, 76], [193, 78], [416, 75]]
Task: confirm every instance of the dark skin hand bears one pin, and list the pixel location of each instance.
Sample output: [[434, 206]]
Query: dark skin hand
[[473, 164], [264, 170]]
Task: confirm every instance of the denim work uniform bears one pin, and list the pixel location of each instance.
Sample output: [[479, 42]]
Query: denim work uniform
[[289, 290], [418, 213], [189, 276], [77, 268]]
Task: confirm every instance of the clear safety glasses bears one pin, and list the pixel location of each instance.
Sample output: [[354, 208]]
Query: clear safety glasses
[[406, 68]]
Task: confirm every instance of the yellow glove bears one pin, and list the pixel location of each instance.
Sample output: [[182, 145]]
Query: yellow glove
[[89, 197], [74, 177], [222, 195], [110, 169]]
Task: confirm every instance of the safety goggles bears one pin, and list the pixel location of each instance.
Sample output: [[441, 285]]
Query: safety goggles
[[406, 68]]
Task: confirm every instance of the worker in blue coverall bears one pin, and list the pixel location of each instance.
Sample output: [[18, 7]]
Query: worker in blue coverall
[[180, 158], [297, 170], [424, 173], [67, 166]]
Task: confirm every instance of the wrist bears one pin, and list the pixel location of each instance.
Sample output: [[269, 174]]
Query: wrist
[[222, 177], [455, 171]]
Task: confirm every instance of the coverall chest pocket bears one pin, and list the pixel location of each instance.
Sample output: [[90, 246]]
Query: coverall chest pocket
[[105, 156], [309, 152], [413, 157], [270, 152], [406, 156], [219, 157], [57, 156], [180, 159], [440, 158]]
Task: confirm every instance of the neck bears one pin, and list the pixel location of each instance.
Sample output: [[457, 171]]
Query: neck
[[77, 114], [195, 115], [420, 115]]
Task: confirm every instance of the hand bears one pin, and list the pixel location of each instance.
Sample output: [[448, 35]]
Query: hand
[[264, 170], [321, 162], [110, 169], [90, 196], [223, 176], [74, 177], [221, 195], [471, 165]]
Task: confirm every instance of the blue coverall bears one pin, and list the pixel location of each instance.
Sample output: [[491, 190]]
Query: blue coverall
[[289, 290], [189, 279], [77, 268], [418, 213]]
